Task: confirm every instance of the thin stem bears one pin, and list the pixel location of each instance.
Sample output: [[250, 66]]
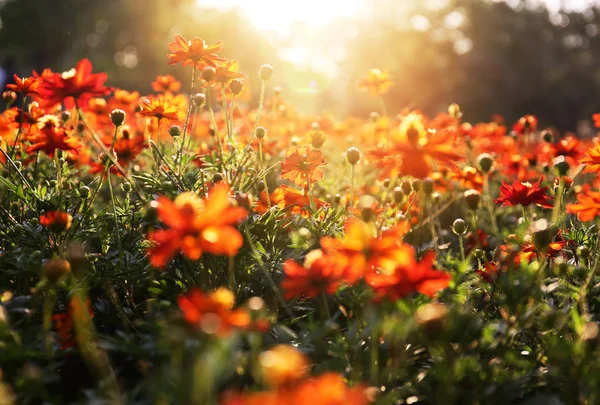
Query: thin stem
[[227, 117], [261, 103], [187, 122], [262, 168], [351, 185], [488, 200], [214, 124], [114, 207], [558, 200], [461, 243], [310, 198]]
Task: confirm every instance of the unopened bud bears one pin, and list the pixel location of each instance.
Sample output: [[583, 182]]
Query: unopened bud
[[473, 198], [199, 99], [117, 117], [265, 72], [236, 86], [459, 227], [260, 132], [55, 269], [353, 155], [485, 162], [174, 130], [209, 73]]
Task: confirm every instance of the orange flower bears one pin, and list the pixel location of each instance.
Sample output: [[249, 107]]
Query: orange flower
[[414, 149], [162, 84], [64, 322], [196, 226], [327, 389], [51, 138], [592, 159], [73, 88], [523, 193], [408, 278], [161, 107], [283, 365], [468, 177], [194, 51], [596, 118], [302, 165], [226, 72], [376, 82], [213, 313], [124, 100], [365, 251], [26, 86], [587, 207], [320, 274], [56, 221]]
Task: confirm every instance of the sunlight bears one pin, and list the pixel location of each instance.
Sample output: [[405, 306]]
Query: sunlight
[[280, 16]]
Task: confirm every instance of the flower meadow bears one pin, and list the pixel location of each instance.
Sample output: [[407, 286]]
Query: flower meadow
[[190, 246]]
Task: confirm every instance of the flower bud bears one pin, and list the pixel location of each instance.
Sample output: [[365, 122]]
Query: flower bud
[[84, 191], [126, 187], [260, 185], [374, 116], [459, 227], [117, 117], [406, 187], [485, 161], [583, 252], [428, 186], [386, 183], [454, 111], [209, 73], [65, 116], [561, 166], [473, 198], [541, 234], [199, 99], [217, 178], [174, 130], [243, 200], [55, 269], [236, 86], [479, 254], [265, 72], [260, 132], [417, 185], [9, 97], [398, 195], [353, 155], [547, 136], [317, 138], [337, 198]]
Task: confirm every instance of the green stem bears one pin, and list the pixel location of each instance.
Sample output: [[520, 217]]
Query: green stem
[[262, 168], [187, 122], [558, 200], [488, 200], [114, 207], [214, 124]]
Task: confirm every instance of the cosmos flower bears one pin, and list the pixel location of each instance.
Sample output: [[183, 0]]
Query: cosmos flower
[[592, 159], [26, 86], [320, 273], [302, 165], [194, 51], [408, 277], [213, 312], [52, 138], [587, 207], [376, 82], [73, 88], [524, 193], [166, 83], [196, 226]]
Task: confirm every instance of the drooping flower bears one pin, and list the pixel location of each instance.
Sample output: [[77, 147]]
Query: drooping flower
[[165, 83], [213, 312], [408, 278], [302, 165], [524, 193], [73, 88], [194, 51], [376, 82], [587, 207], [196, 226]]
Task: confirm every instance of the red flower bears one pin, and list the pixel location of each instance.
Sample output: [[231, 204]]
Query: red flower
[[525, 124], [51, 138], [56, 221], [194, 51], [320, 274], [74, 87], [196, 226], [523, 193], [408, 278], [213, 312], [27, 86], [592, 159]]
